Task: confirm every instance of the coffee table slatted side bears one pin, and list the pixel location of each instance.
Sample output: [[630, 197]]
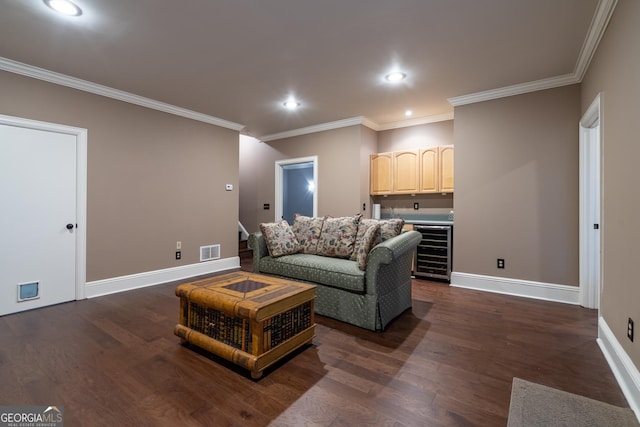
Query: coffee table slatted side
[[252, 329]]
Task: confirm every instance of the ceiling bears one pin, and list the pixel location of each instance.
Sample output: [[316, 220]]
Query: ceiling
[[239, 60]]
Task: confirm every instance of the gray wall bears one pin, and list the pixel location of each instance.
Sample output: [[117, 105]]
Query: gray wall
[[516, 186], [614, 72], [153, 178]]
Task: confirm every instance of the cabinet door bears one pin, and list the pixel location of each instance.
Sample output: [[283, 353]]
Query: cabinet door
[[405, 171], [429, 168], [380, 173], [446, 169]]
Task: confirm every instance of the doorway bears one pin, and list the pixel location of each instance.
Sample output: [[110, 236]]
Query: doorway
[[43, 189], [590, 200], [296, 188]]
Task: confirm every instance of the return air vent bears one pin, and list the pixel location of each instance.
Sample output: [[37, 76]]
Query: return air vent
[[207, 253]]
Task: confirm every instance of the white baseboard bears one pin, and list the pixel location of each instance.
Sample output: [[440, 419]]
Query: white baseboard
[[521, 288], [150, 278], [624, 370]]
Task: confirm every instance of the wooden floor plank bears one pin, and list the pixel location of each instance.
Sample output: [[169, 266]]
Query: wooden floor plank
[[448, 361]]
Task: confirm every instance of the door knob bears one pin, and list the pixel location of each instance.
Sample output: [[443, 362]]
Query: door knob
[[69, 226]]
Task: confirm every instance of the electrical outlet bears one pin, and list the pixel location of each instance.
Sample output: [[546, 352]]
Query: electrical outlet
[[178, 255], [178, 245], [630, 329], [500, 263], [416, 206]]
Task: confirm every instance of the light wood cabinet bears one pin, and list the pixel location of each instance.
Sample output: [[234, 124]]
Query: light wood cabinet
[[405, 171], [381, 178], [429, 170], [420, 171], [446, 168]]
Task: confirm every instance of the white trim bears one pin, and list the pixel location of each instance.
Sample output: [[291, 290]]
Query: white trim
[[590, 195], [244, 233], [597, 28], [86, 86], [278, 211], [621, 365], [517, 287], [417, 121], [353, 121], [149, 278], [519, 89], [81, 188]]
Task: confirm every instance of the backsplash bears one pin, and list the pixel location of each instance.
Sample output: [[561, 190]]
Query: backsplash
[[427, 214], [431, 207]]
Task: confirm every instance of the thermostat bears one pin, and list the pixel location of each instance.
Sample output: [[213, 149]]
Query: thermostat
[[228, 187]]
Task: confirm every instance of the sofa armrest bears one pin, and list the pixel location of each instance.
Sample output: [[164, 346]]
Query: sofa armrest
[[389, 263], [259, 247]]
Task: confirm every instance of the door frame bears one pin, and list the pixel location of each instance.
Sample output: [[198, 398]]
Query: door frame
[[279, 201], [591, 206], [81, 188]]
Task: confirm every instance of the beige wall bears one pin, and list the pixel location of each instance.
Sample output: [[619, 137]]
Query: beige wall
[[420, 136], [153, 178], [339, 172], [614, 73], [516, 189], [369, 145]]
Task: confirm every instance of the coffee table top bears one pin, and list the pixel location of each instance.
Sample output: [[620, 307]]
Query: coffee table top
[[247, 295]]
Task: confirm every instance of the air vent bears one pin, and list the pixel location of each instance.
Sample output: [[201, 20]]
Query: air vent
[[207, 253]]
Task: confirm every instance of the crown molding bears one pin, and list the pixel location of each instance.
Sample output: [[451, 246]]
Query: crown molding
[[599, 23], [356, 121], [518, 89], [417, 121], [370, 124], [353, 121], [597, 28], [86, 86]]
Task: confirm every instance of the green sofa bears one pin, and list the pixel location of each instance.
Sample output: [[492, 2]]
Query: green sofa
[[369, 299]]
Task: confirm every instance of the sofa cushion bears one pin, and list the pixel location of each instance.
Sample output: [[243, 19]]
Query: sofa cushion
[[338, 236], [307, 231], [279, 238], [335, 272]]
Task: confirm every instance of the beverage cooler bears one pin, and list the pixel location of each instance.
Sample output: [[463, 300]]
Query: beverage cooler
[[433, 254]]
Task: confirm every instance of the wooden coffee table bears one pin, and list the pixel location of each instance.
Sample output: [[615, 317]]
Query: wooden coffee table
[[249, 319]]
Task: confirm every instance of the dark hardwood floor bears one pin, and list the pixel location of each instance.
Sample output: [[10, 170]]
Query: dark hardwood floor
[[449, 361]]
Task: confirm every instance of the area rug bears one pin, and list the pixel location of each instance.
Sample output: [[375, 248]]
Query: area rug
[[534, 405]]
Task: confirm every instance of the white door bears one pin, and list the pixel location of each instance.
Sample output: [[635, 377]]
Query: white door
[[38, 218], [590, 197]]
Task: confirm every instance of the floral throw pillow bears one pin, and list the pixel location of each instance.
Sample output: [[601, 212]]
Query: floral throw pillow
[[363, 226], [367, 242], [338, 236], [307, 231], [390, 228], [279, 238]]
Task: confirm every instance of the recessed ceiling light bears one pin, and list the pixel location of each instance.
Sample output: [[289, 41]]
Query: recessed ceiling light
[[394, 77], [291, 104], [64, 6], [408, 113]]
